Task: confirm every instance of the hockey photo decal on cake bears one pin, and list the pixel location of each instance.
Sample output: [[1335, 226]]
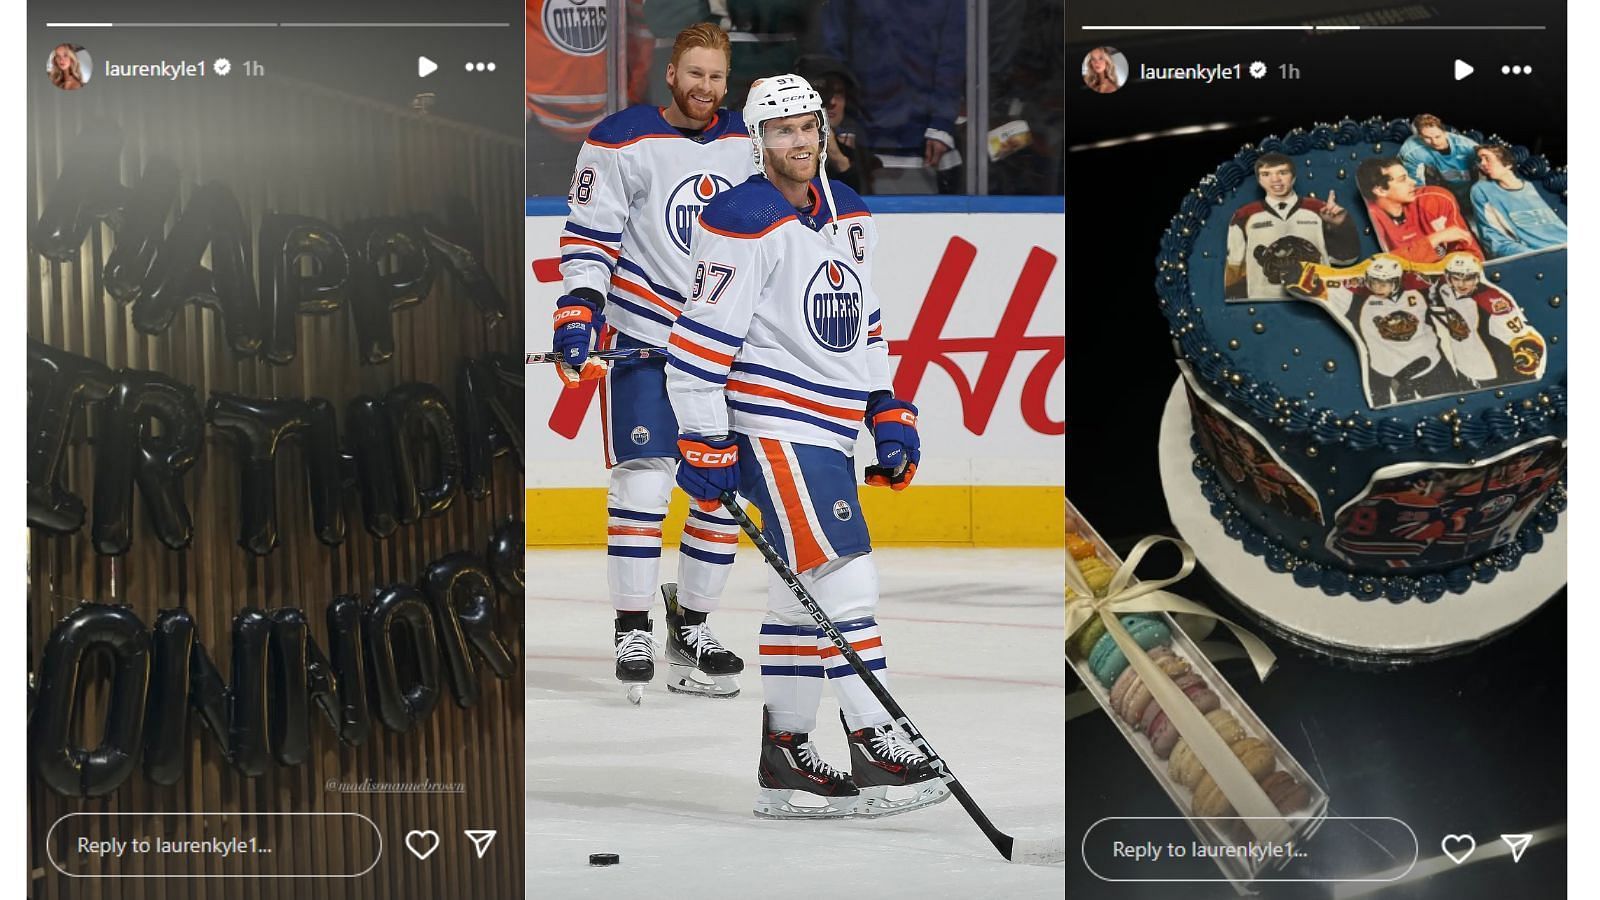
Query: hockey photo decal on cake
[[1426, 330], [1428, 515], [1243, 458], [1269, 238]]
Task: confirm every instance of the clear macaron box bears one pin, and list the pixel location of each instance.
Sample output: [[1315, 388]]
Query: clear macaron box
[[1300, 801]]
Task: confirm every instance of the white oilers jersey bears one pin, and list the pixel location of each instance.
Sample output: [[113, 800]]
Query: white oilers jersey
[[1395, 329], [1490, 314], [637, 189], [782, 336]]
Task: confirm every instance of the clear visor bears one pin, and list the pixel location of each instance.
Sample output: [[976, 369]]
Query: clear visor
[[792, 131]]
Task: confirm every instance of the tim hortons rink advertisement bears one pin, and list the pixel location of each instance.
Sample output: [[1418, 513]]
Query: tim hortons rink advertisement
[[974, 341]]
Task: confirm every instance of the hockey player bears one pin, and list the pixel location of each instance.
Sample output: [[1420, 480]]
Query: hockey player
[[774, 365], [642, 178], [1413, 222], [1387, 310], [1491, 341], [1512, 217], [1322, 225]]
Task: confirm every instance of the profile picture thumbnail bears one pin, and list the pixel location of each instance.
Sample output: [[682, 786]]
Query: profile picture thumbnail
[[1105, 70], [69, 66]]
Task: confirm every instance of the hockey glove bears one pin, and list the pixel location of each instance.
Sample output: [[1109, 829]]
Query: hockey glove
[[709, 469], [894, 429], [578, 322]]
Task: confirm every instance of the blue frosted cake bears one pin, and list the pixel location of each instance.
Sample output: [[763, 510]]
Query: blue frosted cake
[[1370, 320]]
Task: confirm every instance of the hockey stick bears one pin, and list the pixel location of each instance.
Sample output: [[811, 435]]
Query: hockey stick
[[629, 353], [1034, 852]]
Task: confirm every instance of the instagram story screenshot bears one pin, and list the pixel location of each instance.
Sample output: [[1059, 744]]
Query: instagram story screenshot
[[1317, 460], [274, 491]]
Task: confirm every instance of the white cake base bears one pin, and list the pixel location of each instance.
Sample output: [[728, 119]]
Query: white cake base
[[1343, 624]]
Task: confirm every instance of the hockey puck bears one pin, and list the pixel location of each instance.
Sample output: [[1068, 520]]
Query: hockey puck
[[604, 859]]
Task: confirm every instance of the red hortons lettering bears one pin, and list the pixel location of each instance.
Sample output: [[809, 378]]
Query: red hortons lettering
[[925, 346]]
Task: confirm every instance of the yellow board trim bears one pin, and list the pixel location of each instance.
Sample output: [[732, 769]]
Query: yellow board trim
[[961, 515]]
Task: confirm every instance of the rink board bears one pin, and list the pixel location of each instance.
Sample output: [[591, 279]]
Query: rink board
[[962, 515], [973, 312]]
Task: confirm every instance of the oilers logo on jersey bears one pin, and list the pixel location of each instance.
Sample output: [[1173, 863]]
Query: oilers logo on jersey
[[576, 26], [833, 306], [685, 202]]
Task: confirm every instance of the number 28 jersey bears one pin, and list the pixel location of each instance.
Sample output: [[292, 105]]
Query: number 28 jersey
[[781, 336], [637, 189]]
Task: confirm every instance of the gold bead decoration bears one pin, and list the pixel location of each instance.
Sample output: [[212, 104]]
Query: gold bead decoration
[[1330, 366], [1261, 328], [1236, 379], [1495, 276], [1311, 452], [1284, 367], [1341, 174], [1233, 344], [1555, 301], [1311, 395], [1538, 276]]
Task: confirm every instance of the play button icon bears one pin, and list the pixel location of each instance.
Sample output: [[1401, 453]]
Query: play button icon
[[426, 67], [1462, 69]]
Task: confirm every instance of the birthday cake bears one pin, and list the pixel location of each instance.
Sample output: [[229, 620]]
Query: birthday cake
[[1370, 321]]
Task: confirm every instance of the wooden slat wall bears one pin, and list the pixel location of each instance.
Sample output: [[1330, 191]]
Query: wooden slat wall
[[293, 148]]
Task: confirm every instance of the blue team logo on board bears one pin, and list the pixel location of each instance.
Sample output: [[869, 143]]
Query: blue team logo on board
[[687, 201], [577, 27], [833, 306]]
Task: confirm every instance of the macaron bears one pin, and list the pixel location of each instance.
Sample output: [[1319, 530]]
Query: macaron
[[1130, 696], [1096, 573], [1107, 662], [1209, 799], [1121, 687], [1083, 640], [1287, 794], [1185, 767], [1079, 546], [1257, 757], [1226, 725], [1163, 735]]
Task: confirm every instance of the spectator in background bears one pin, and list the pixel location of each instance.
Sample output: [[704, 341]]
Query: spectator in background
[[910, 59], [565, 80], [1512, 217], [849, 159]]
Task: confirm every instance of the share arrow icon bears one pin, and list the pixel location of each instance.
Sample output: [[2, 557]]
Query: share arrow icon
[[1517, 843], [483, 837]]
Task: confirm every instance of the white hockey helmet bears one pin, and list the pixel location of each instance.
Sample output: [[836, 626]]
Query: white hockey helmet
[[779, 96], [1463, 265], [1384, 268], [789, 95]]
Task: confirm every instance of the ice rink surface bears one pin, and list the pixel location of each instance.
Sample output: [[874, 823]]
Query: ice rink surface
[[973, 639]]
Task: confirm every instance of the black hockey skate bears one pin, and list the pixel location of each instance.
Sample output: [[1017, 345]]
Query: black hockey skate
[[789, 763], [700, 664], [636, 653], [880, 759]]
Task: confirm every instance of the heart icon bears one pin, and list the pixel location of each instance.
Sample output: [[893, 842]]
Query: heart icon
[[1456, 846], [415, 840]]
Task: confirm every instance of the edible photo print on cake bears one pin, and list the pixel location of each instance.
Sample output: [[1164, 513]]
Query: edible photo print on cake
[[1244, 459], [1433, 514], [1426, 330], [1270, 236]]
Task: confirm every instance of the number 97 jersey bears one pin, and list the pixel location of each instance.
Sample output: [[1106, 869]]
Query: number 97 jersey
[[782, 336]]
